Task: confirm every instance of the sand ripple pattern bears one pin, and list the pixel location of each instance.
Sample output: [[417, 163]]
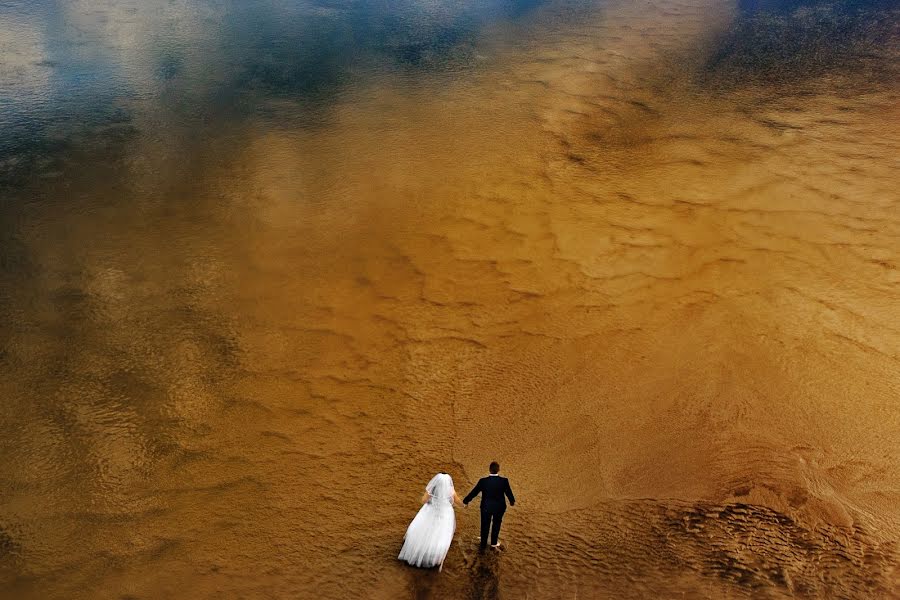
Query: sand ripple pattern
[[657, 281]]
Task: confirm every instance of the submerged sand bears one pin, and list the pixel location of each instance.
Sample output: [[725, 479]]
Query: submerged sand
[[659, 283]]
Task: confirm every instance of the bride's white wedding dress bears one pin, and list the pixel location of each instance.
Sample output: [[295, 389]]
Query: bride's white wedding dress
[[431, 531]]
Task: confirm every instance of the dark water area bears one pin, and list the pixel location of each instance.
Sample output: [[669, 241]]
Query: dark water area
[[785, 43], [266, 267]]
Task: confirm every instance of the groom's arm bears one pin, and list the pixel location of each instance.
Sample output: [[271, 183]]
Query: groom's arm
[[509, 494], [473, 493]]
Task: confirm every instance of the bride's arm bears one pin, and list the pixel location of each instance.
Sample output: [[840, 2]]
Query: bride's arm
[[426, 497], [456, 499]]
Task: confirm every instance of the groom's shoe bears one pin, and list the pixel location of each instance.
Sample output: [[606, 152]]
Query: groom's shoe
[[496, 546]]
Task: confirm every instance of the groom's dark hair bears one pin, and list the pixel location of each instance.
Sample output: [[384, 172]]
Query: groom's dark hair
[[494, 468]]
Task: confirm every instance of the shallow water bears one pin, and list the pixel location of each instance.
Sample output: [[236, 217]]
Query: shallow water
[[267, 267]]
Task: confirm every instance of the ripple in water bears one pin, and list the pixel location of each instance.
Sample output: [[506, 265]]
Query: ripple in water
[[265, 269]]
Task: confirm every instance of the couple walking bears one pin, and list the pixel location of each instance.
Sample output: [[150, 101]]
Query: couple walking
[[431, 531]]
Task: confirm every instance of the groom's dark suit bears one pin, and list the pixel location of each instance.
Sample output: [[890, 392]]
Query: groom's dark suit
[[492, 488]]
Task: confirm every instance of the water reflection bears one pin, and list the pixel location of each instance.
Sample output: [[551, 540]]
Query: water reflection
[[74, 67], [486, 579]]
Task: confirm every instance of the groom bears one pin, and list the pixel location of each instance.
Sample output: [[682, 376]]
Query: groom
[[492, 489]]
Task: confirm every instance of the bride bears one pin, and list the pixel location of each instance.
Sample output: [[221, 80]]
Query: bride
[[431, 531]]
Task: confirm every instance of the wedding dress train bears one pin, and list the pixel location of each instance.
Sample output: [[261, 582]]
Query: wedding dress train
[[429, 535]]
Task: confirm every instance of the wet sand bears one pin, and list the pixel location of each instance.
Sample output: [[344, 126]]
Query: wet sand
[[652, 273]]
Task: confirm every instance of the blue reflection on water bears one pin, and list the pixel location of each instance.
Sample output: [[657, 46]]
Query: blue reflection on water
[[76, 64]]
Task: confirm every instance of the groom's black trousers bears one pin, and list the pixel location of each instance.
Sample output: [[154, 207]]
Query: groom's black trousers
[[487, 519]]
